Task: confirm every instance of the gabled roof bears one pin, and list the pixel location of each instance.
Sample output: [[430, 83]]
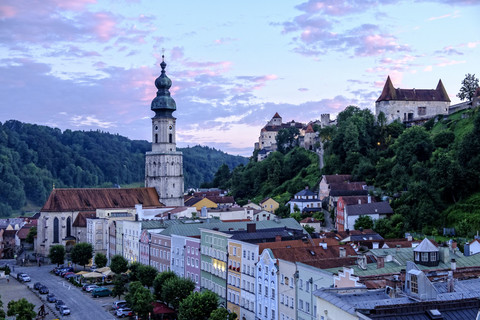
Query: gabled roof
[[219, 199], [311, 253], [305, 192], [81, 219], [191, 201], [276, 115], [337, 178], [390, 93], [22, 233], [264, 200], [310, 220], [348, 200], [309, 129], [426, 246], [88, 199], [369, 208]]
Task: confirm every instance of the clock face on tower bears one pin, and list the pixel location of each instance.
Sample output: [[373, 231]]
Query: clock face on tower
[[170, 127]]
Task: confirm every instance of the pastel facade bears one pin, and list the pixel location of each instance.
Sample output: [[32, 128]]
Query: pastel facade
[[193, 261], [160, 252], [269, 205], [303, 200], [267, 286], [234, 276], [249, 259], [287, 307], [178, 255], [309, 280]]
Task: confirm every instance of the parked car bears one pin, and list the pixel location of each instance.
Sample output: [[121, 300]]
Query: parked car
[[64, 310], [51, 297], [23, 277], [43, 290], [90, 287], [59, 303], [119, 304], [101, 292], [69, 275], [124, 312], [37, 285], [64, 271]]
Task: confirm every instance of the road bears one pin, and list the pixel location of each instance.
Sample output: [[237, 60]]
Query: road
[[81, 304]]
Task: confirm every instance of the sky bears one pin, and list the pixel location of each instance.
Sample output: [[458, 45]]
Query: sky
[[91, 64]]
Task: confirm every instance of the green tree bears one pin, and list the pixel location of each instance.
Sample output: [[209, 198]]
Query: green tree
[[175, 290], [287, 139], [469, 85], [221, 177], [198, 306], [309, 228], [82, 253], [159, 281], [2, 312], [134, 268], [146, 275], [133, 287], [222, 314], [21, 309], [100, 260], [142, 302], [364, 222], [119, 283], [31, 235], [57, 254], [118, 264]]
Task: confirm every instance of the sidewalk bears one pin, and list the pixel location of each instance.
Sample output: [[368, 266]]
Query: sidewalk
[[14, 290]]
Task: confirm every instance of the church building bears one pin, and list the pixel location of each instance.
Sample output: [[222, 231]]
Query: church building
[[164, 164]]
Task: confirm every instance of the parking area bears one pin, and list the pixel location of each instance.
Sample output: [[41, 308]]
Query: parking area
[[81, 303]]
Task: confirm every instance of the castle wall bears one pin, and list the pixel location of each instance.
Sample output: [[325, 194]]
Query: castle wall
[[396, 109]]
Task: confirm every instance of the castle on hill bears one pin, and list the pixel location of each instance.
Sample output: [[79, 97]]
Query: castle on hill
[[307, 137]]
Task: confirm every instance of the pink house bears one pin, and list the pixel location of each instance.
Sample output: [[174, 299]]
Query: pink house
[[193, 260], [160, 252]]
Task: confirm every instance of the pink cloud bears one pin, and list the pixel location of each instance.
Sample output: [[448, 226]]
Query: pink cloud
[[105, 26], [449, 15], [7, 12], [73, 5]]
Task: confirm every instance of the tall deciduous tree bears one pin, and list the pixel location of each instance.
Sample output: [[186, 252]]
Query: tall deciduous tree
[[198, 306], [100, 260], [82, 253], [118, 264], [142, 302], [2, 312], [222, 314], [287, 139], [31, 235], [469, 85], [21, 309], [119, 283], [175, 290], [57, 254], [364, 222], [146, 275], [160, 280]]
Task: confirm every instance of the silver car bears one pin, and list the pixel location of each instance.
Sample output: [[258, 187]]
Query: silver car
[[64, 310]]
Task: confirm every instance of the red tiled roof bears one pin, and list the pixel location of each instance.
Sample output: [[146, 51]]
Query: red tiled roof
[[295, 244], [276, 115], [349, 200], [225, 199], [338, 178], [191, 201], [23, 232], [309, 129], [81, 219], [161, 308], [311, 254], [310, 220], [390, 93], [89, 199]]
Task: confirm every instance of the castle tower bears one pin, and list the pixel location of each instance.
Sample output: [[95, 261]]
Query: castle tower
[[164, 164]]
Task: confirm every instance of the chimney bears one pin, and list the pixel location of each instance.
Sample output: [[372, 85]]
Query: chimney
[[359, 201], [323, 245], [369, 199], [251, 227], [342, 252], [450, 282], [380, 262], [453, 264], [169, 216], [278, 238]]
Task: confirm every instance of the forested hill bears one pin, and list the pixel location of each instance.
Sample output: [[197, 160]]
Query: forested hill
[[33, 158], [430, 172]]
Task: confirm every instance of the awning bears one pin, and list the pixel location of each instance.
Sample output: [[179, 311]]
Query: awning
[[93, 275], [102, 270], [81, 273], [161, 308]]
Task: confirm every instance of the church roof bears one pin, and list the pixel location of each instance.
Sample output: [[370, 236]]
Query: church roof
[[163, 104], [426, 246], [276, 115], [390, 93], [90, 199], [309, 129]]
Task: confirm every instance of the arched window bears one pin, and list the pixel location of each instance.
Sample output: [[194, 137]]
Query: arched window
[[55, 230], [170, 138], [69, 227], [156, 138]]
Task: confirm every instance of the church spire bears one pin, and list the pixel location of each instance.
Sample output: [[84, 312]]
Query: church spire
[[163, 104]]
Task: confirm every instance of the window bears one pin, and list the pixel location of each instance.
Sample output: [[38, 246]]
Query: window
[[422, 111], [170, 138], [307, 286], [424, 256], [69, 227], [433, 256], [259, 288], [307, 307], [244, 253], [300, 284], [273, 293], [282, 279], [413, 283], [55, 230], [300, 304]]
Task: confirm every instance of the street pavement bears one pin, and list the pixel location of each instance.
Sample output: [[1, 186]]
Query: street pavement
[[81, 304]]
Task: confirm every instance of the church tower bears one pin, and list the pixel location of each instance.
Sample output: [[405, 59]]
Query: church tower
[[164, 164]]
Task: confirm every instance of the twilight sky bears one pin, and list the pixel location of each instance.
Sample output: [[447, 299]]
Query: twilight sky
[[91, 64]]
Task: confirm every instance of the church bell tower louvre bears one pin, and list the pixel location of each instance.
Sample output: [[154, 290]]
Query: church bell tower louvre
[[164, 164]]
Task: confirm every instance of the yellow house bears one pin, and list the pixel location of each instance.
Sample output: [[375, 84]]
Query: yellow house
[[199, 203], [270, 205], [234, 277]]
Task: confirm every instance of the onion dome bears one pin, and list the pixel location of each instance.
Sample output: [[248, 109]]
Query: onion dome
[[163, 104]]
